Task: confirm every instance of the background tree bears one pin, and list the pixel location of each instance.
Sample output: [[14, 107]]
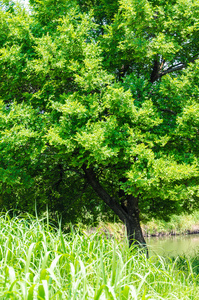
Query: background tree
[[100, 97]]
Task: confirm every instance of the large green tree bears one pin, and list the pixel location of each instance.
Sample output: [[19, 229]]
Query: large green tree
[[100, 97]]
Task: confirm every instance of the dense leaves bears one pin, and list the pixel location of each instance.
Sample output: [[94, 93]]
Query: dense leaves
[[100, 95]]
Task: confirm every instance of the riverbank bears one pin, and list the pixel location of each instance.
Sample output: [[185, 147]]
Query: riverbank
[[182, 224], [178, 225]]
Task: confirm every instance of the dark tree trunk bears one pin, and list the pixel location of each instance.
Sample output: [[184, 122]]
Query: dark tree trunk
[[155, 71], [128, 211], [133, 227]]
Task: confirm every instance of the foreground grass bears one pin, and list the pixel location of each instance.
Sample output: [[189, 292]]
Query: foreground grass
[[39, 262]]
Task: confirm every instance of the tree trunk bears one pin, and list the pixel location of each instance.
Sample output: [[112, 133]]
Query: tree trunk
[[128, 211], [134, 230]]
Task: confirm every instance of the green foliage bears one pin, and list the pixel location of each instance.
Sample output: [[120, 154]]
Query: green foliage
[[111, 85]]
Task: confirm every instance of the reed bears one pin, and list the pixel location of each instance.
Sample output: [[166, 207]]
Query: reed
[[38, 261]]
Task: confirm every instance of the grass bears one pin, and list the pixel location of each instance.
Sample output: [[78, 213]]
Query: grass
[[38, 261], [178, 224]]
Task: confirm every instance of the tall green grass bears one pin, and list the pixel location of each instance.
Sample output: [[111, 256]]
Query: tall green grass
[[38, 261]]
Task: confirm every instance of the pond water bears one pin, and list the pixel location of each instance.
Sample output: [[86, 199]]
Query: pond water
[[174, 245]]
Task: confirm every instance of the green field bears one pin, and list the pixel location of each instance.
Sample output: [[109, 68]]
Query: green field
[[38, 261]]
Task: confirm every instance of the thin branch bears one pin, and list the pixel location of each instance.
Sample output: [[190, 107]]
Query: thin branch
[[169, 111], [178, 67]]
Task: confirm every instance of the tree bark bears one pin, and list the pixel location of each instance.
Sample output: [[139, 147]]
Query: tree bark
[[155, 72], [134, 230], [128, 211]]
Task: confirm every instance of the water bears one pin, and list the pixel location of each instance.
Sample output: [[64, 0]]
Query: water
[[174, 245]]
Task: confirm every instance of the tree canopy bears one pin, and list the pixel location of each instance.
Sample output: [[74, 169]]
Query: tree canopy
[[99, 103]]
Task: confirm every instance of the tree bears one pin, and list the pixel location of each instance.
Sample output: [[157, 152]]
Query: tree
[[101, 100]]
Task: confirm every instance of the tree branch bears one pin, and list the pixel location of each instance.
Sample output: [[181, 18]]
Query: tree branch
[[178, 66], [100, 191], [157, 72], [169, 111]]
